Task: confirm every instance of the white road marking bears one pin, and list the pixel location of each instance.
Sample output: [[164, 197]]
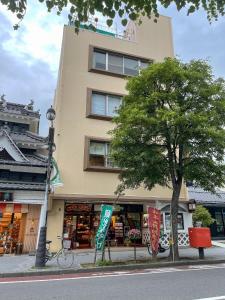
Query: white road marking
[[116, 274], [212, 298]]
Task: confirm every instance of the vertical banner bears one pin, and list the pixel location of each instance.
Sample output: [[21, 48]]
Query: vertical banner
[[55, 175], [154, 218], [106, 214]]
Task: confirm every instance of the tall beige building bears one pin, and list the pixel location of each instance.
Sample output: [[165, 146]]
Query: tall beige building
[[93, 72]]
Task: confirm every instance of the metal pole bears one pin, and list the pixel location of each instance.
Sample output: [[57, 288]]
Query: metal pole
[[41, 249]]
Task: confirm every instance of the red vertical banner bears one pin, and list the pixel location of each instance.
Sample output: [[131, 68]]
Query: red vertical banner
[[154, 218]]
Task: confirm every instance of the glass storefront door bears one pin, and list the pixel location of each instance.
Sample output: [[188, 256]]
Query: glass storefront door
[[218, 227]]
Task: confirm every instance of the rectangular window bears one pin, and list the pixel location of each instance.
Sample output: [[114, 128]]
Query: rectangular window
[[131, 66], [114, 103], [99, 154], [118, 63], [180, 221], [115, 64], [98, 104], [104, 105], [143, 65], [99, 60]]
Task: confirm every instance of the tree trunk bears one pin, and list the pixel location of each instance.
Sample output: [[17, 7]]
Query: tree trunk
[[174, 252]]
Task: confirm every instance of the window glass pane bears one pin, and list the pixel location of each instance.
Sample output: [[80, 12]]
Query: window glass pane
[[97, 161], [115, 64], [167, 221], [180, 221], [98, 104], [130, 66], [97, 148], [144, 65], [113, 104], [99, 60]]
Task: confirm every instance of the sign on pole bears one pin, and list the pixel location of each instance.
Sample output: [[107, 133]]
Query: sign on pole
[[106, 214], [154, 218]]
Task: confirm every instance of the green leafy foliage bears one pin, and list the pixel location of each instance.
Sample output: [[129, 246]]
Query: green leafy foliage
[[170, 128], [82, 9], [202, 215]]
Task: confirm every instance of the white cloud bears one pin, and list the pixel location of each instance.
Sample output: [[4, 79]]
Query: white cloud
[[39, 36]]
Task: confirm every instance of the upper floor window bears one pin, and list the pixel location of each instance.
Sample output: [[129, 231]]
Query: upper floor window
[[99, 154], [118, 63], [99, 60], [104, 105]]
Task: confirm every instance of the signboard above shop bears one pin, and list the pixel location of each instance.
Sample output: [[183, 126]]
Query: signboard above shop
[[76, 208], [6, 197]]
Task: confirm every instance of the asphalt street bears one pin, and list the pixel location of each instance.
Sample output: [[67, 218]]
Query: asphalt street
[[182, 283]]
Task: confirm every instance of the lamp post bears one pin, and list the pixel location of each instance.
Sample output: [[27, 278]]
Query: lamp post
[[191, 205], [41, 248]]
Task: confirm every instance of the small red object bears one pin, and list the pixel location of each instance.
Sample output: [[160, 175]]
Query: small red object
[[200, 237]]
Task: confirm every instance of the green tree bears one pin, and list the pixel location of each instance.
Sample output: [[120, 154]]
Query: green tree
[[170, 128], [202, 215], [81, 10]]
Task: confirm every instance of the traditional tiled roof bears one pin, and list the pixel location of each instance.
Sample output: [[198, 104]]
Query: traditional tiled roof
[[22, 186], [4, 132], [204, 197], [27, 137], [26, 159], [18, 109], [32, 160]]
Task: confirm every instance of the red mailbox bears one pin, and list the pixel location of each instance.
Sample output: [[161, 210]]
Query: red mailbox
[[199, 237]]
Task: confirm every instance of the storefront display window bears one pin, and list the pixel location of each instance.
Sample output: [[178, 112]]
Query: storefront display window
[[81, 222], [9, 231]]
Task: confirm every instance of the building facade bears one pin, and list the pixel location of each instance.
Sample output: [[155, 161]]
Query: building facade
[[22, 176], [91, 83]]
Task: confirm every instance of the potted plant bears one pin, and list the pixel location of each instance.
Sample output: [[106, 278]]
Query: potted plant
[[202, 217], [133, 236]]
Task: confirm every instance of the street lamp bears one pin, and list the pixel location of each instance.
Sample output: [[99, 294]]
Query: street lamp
[[41, 249], [191, 205]]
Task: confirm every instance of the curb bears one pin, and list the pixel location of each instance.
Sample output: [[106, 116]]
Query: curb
[[112, 268]]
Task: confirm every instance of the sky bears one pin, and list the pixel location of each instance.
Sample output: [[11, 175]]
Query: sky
[[29, 57]]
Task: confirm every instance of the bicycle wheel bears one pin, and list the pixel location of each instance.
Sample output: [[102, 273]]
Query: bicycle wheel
[[65, 259]]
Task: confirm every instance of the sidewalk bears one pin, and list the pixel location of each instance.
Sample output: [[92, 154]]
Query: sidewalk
[[25, 263]]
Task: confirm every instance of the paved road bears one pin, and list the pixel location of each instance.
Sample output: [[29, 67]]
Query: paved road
[[180, 283]]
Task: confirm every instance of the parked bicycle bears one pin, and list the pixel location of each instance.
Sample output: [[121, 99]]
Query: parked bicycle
[[65, 257], [161, 248]]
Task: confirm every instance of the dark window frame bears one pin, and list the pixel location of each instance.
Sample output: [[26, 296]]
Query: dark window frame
[[179, 214], [87, 166], [91, 68], [89, 113]]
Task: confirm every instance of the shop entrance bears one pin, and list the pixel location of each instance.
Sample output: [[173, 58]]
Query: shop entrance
[[77, 225], [10, 225], [81, 223], [125, 217]]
